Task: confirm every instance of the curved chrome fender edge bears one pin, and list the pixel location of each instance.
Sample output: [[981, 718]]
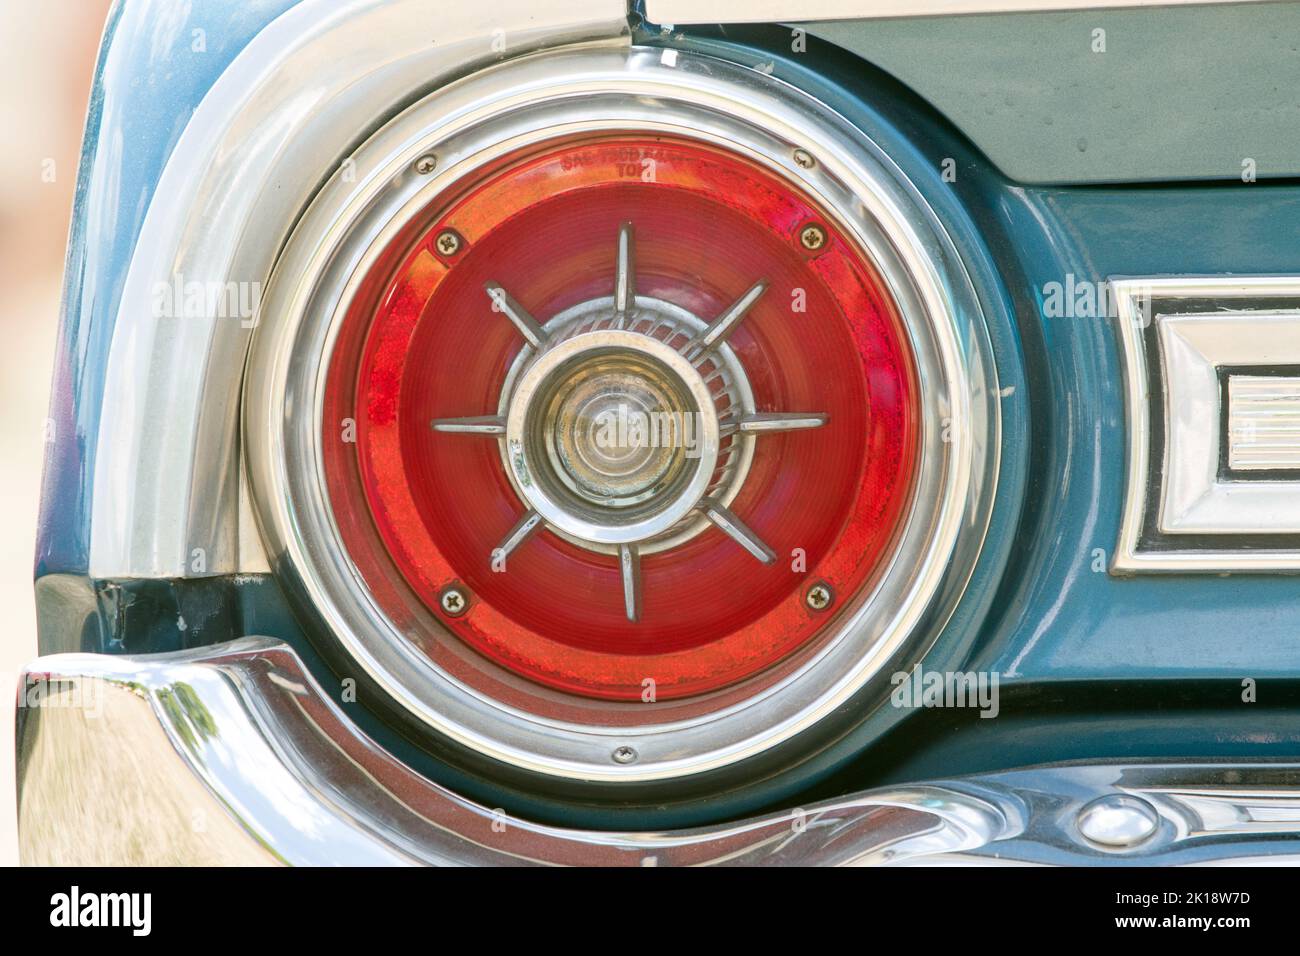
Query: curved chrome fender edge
[[232, 754], [282, 117]]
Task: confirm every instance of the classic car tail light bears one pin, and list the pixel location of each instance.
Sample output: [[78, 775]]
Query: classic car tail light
[[626, 400], [623, 419]]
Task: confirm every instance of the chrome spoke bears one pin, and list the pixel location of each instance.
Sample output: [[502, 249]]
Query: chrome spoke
[[723, 325], [737, 530], [625, 276], [529, 327], [477, 425], [629, 560], [763, 422], [520, 533], [715, 381]]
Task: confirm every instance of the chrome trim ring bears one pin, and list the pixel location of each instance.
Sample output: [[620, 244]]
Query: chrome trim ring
[[734, 459], [538, 99], [527, 471]]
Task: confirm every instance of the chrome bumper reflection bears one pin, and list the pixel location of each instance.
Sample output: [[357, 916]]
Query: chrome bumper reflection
[[233, 755]]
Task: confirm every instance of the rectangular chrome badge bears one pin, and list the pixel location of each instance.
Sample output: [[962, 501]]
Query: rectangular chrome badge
[[1212, 396]]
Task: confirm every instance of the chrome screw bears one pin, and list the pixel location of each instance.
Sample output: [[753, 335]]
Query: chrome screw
[[623, 754], [453, 602], [812, 237], [803, 159], [448, 242], [819, 596], [426, 164]]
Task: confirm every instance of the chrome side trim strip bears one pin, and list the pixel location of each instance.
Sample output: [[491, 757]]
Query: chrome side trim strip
[[679, 12], [233, 755], [278, 122], [1180, 513]]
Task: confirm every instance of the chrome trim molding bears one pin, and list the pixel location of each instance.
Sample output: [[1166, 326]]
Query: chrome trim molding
[[536, 99], [283, 117], [233, 755], [1194, 347], [680, 12], [1184, 508]]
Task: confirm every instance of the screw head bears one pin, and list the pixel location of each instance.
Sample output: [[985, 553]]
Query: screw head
[[426, 164], [812, 237], [820, 596], [454, 602], [803, 159], [448, 242], [624, 754]]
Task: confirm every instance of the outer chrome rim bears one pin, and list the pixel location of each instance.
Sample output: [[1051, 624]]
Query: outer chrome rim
[[537, 99]]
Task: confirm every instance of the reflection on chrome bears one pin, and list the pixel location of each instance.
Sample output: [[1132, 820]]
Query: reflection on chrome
[[233, 755]]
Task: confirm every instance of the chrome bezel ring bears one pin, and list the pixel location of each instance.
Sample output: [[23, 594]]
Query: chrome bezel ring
[[468, 126]]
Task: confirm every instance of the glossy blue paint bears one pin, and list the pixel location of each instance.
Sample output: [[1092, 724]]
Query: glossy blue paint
[[1059, 615], [150, 76], [1067, 618]]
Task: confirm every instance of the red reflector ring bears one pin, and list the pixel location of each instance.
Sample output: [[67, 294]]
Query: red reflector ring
[[426, 343]]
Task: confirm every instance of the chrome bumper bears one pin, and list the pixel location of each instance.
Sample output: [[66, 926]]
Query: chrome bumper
[[233, 755]]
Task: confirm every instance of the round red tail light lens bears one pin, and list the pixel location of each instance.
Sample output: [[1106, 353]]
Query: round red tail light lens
[[623, 421], [630, 398]]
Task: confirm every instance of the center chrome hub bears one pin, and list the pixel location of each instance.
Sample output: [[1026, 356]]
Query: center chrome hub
[[612, 436], [620, 429]]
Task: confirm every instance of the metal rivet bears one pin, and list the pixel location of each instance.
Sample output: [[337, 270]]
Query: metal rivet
[[454, 602], [803, 159], [812, 237], [426, 164], [820, 596], [448, 242], [1118, 820], [623, 754]]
